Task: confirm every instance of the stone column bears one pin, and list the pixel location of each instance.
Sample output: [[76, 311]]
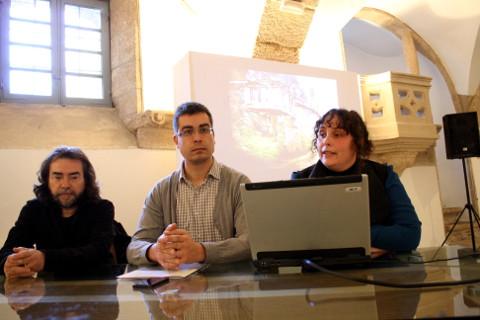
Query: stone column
[[151, 128], [283, 29], [125, 60]]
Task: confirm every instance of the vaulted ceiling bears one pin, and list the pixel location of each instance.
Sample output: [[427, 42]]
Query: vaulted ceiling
[[308, 32], [450, 28]]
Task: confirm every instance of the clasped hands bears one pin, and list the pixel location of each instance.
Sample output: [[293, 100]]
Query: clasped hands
[[174, 247], [24, 262]]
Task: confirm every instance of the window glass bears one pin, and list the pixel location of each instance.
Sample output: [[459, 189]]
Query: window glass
[[82, 39], [83, 87], [55, 51], [36, 10], [21, 57], [30, 33], [81, 62], [30, 83], [82, 17]]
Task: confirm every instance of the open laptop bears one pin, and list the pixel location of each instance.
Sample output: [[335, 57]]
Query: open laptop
[[324, 219]]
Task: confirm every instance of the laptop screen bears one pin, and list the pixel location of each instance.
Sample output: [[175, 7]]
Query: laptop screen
[[324, 218]]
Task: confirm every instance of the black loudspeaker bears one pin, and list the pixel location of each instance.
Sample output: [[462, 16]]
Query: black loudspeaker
[[462, 138]]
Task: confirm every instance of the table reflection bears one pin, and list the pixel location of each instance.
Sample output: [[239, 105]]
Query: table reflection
[[198, 297], [471, 293], [31, 298], [315, 295], [238, 291], [286, 296], [471, 296], [22, 293], [399, 304]]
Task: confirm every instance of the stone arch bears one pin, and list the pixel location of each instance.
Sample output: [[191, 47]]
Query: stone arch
[[412, 42]]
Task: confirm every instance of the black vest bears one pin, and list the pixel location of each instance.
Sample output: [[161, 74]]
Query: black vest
[[377, 175]]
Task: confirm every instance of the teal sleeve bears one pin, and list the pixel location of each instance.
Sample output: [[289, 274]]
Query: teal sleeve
[[404, 230]]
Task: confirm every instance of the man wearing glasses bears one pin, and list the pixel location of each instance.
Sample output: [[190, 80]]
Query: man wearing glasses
[[196, 213]]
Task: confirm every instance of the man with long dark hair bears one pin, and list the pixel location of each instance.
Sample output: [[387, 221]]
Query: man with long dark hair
[[68, 226]]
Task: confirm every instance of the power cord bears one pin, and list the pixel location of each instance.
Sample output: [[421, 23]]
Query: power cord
[[390, 284], [440, 260]]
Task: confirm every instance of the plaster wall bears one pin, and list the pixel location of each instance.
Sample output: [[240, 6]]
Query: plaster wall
[[426, 200], [125, 177]]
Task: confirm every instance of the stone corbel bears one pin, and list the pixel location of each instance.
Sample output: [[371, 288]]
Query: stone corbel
[[398, 115], [400, 153], [400, 160], [153, 129]]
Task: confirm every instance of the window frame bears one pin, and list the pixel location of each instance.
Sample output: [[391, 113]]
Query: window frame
[[58, 71]]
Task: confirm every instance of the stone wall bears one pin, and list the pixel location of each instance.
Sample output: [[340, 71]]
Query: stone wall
[[35, 126], [44, 126]]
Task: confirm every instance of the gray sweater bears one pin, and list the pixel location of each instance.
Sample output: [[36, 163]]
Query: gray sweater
[[159, 211]]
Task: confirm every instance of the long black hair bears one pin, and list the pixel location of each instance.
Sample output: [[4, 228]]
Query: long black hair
[[91, 192]]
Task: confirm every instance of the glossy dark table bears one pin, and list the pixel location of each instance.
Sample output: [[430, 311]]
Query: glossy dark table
[[239, 292]]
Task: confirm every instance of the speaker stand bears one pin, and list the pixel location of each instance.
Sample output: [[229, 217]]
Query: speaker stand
[[472, 214]]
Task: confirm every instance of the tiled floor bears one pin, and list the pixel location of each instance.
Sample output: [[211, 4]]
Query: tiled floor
[[461, 232]]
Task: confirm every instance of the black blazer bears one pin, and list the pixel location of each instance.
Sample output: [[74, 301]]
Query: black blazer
[[81, 241]]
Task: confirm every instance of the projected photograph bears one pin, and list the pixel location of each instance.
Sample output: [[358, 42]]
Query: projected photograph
[[273, 114]]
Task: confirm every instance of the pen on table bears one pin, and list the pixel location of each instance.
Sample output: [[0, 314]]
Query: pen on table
[[35, 248]]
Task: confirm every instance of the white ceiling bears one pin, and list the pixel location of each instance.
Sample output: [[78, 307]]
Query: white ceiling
[[371, 39], [451, 28]]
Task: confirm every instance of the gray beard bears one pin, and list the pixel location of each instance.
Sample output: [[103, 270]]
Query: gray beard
[[72, 204]]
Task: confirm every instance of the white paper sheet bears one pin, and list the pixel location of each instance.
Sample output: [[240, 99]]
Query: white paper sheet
[[158, 272]]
